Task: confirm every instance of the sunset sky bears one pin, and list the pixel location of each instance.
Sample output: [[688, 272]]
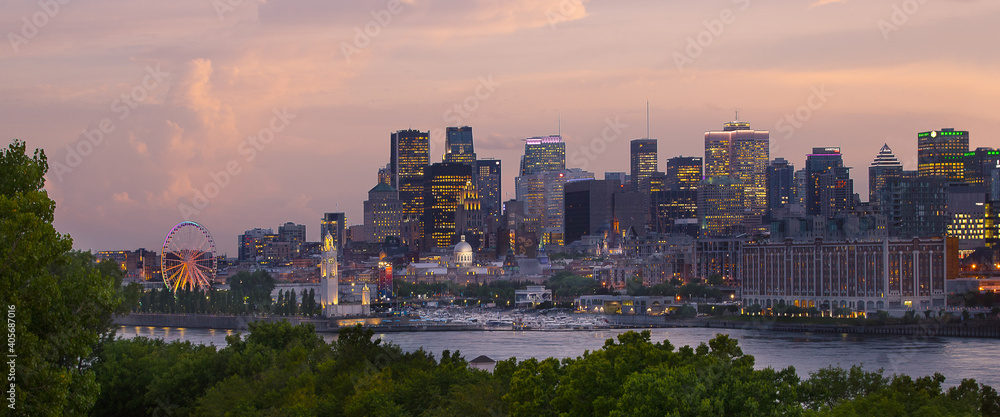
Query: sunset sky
[[201, 77]]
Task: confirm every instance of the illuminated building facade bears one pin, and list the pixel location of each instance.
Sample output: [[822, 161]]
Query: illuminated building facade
[[410, 152], [683, 173], [883, 169], [543, 153], [969, 217], [469, 215], [674, 211], [383, 214], [862, 277], [488, 184], [252, 244], [336, 225], [830, 189], [385, 290], [385, 175], [743, 154], [980, 165], [780, 184], [942, 153], [329, 277], [139, 265], [543, 196], [445, 184], [643, 163], [458, 145], [918, 206], [721, 207], [294, 234]]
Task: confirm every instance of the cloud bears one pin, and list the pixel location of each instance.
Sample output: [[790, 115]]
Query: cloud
[[826, 2]]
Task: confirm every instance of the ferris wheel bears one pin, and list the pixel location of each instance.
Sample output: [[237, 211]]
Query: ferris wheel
[[188, 258]]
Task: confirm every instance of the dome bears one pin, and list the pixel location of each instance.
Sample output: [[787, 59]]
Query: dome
[[463, 246]]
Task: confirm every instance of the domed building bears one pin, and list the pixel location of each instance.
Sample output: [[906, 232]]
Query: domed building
[[464, 256]]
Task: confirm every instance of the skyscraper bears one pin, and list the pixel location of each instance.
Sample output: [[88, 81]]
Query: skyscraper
[[643, 163], [488, 184], [743, 154], [410, 155], [542, 194], [383, 213], [979, 165], [829, 188], [780, 184], [543, 153], [721, 207], [883, 169], [458, 145], [445, 183], [683, 173], [942, 153]]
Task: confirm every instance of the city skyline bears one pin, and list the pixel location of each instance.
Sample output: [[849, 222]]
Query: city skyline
[[277, 110]]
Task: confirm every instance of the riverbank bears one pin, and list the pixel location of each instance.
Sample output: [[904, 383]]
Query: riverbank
[[985, 329]]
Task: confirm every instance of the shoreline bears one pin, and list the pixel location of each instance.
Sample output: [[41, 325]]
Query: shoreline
[[989, 329]]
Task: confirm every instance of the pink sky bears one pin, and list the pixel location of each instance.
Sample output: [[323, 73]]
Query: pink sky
[[206, 75]]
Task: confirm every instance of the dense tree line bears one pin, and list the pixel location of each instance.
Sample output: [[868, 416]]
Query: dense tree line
[[59, 303], [249, 293], [279, 369]]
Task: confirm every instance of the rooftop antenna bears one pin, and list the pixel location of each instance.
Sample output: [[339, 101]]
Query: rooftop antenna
[[647, 118], [560, 125], [737, 115]]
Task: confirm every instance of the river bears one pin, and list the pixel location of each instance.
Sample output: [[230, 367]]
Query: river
[[955, 358]]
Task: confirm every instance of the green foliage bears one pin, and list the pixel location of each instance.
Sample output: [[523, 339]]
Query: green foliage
[[253, 288], [279, 369], [63, 302], [565, 285]]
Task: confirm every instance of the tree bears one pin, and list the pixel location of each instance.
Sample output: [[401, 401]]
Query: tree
[[253, 289], [62, 302]]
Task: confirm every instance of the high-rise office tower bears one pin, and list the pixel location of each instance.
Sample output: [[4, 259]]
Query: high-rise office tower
[[829, 188], [979, 165], [643, 163], [469, 215], [458, 146], [883, 169], [683, 173], [543, 153], [743, 154], [918, 206], [601, 206], [942, 153], [780, 184], [722, 207], [383, 214], [542, 194], [334, 224], [488, 184], [410, 153], [445, 183]]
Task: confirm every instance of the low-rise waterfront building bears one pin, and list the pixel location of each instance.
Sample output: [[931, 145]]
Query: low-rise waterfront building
[[863, 276]]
